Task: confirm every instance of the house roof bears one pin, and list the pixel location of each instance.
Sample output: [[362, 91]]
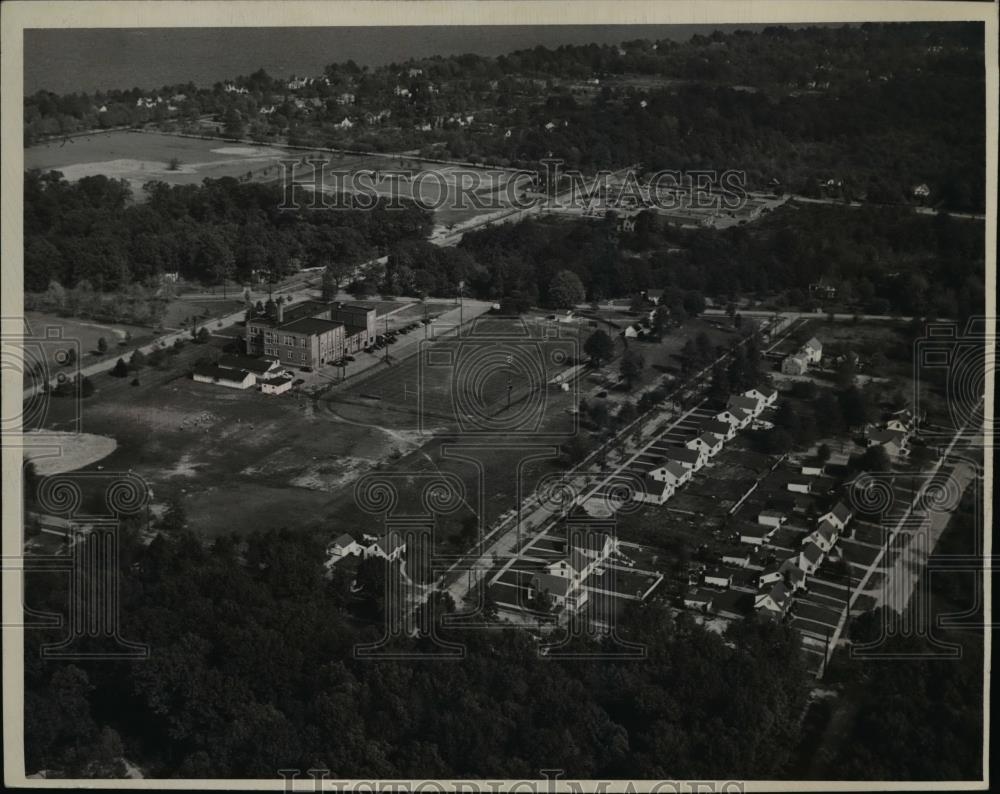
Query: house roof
[[813, 344], [841, 512], [256, 365], [220, 373], [767, 391], [700, 595], [798, 357], [578, 560], [344, 540], [771, 514], [279, 381], [391, 541], [886, 436], [594, 543], [556, 585], [675, 469], [779, 593], [716, 426], [741, 401], [683, 454], [812, 552], [710, 439], [755, 531]]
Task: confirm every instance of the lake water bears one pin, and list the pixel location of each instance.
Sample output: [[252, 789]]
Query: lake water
[[64, 61]]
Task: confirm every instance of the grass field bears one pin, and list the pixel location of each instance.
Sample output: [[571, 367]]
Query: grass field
[[145, 157], [84, 333]]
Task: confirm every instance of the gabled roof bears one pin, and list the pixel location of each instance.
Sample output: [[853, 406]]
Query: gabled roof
[[675, 470], [767, 391], [556, 585], [771, 514], [684, 454], [391, 541], [886, 436], [813, 344], [812, 552], [741, 401], [756, 531], [841, 512], [716, 426], [344, 540], [594, 542], [779, 593], [827, 531], [710, 439]]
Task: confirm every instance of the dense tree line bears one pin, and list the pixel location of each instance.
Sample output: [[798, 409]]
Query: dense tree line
[[874, 109], [94, 231], [251, 670]]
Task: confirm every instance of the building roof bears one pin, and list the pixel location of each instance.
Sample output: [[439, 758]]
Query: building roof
[[771, 514], [886, 436], [741, 401], [391, 541], [812, 552], [344, 540], [828, 531], [675, 469], [710, 439], [813, 344], [700, 595], [593, 543], [756, 531], [841, 512], [256, 365], [310, 325], [767, 391], [716, 426], [556, 585], [279, 381], [221, 373], [779, 594], [683, 454]]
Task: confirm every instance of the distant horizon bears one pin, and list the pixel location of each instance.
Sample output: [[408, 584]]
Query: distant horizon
[[65, 61]]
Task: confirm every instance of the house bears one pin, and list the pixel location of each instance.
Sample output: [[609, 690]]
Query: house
[[799, 485], [756, 534], [277, 385], [838, 515], [631, 332], [654, 491], [344, 124], [921, 191], [771, 518], [724, 430], [400, 91], [751, 404], [813, 350], [671, 472], [823, 289], [739, 555], [389, 546], [795, 365], [810, 558], [775, 600], [765, 395], [709, 443], [565, 593], [739, 418], [261, 367], [811, 468], [220, 376], [717, 577], [699, 599], [825, 536], [298, 82], [343, 546], [654, 296], [892, 441], [792, 575], [688, 458]]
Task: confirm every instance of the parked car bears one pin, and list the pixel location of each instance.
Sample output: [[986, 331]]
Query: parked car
[[298, 381], [305, 369], [348, 358]]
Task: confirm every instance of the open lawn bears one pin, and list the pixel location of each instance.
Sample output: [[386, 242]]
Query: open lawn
[[82, 334]]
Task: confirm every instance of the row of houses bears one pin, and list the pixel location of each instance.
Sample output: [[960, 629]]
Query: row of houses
[[799, 362], [894, 433], [661, 479], [389, 546]]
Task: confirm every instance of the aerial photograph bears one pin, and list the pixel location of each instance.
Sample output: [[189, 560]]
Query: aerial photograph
[[508, 404]]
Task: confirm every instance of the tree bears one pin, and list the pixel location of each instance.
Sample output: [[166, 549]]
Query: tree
[[137, 362], [120, 369], [102, 345], [566, 290], [599, 347], [86, 387], [823, 453], [202, 336], [174, 517], [875, 458], [694, 303], [631, 367]]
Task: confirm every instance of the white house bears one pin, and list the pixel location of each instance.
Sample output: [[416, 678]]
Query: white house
[[813, 351], [769, 575], [343, 546], [825, 536], [699, 599], [777, 599], [810, 558], [709, 443], [892, 441], [751, 404], [756, 534], [724, 430], [812, 468], [277, 385], [631, 332], [799, 485], [389, 547], [763, 394], [654, 491], [838, 515], [739, 556], [795, 365], [221, 376], [718, 578], [692, 459], [671, 472], [737, 417], [771, 518], [344, 124], [563, 592]]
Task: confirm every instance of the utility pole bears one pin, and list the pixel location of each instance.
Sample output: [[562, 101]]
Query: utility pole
[[386, 337]]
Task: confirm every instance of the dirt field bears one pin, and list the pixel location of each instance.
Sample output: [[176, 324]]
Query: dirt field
[[55, 453]]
